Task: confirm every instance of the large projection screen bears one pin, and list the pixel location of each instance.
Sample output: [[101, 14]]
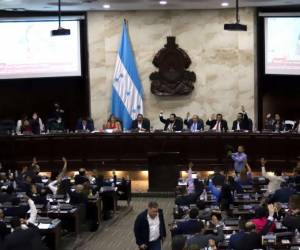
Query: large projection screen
[[27, 49], [282, 45]]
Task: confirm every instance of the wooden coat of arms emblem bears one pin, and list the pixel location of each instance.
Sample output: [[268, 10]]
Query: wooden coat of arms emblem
[[172, 77]]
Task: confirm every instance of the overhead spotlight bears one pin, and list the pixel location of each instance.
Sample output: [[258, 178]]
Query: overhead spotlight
[[236, 26], [106, 6], [163, 2], [60, 31], [224, 4]]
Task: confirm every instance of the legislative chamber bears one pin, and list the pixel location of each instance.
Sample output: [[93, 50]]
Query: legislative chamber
[[149, 125]]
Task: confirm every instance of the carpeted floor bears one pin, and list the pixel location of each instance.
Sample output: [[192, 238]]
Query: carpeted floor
[[119, 236]]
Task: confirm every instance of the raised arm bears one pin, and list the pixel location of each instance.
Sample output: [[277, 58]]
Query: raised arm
[[161, 117], [214, 190], [64, 170], [33, 212], [249, 170], [269, 223], [186, 119], [190, 174]]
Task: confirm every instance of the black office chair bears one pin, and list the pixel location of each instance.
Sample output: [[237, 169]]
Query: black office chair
[[180, 121], [250, 123], [7, 126]]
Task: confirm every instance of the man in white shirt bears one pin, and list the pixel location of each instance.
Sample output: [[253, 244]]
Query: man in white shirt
[[274, 180], [149, 228]]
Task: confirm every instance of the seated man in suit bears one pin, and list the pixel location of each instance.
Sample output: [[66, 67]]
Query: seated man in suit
[[217, 123], [23, 239], [282, 194], [189, 226], [172, 123], [218, 177], [268, 122], [292, 220], [36, 124], [201, 240], [85, 124], [242, 121], [140, 124], [78, 196], [57, 125], [194, 124], [277, 124]]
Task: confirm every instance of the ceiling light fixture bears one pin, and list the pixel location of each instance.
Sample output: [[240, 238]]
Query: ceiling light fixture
[[60, 31], [163, 2], [224, 4], [106, 6], [236, 26]]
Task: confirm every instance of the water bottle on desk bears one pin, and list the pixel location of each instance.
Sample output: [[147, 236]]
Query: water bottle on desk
[[58, 206], [176, 210], [48, 206], [205, 195], [256, 196]]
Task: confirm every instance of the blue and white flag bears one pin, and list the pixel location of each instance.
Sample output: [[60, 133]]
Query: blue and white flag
[[127, 91]]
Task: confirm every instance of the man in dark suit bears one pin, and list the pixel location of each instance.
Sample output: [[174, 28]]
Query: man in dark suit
[[140, 124], [282, 194], [149, 228], [171, 124], [201, 240], [189, 226], [292, 221], [242, 121], [23, 239], [194, 124], [217, 123], [218, 178], [278, 124], [78, 196], [85, 124]]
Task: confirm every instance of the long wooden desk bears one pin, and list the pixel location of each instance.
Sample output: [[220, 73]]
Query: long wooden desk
[[130, 151], [133, 151]]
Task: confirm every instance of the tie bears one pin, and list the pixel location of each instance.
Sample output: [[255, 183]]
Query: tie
[[218, 126], [194, 128], [238, 126]]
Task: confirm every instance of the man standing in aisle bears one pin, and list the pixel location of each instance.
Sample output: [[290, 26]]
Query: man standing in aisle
[[239, 158], [149, 228]]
